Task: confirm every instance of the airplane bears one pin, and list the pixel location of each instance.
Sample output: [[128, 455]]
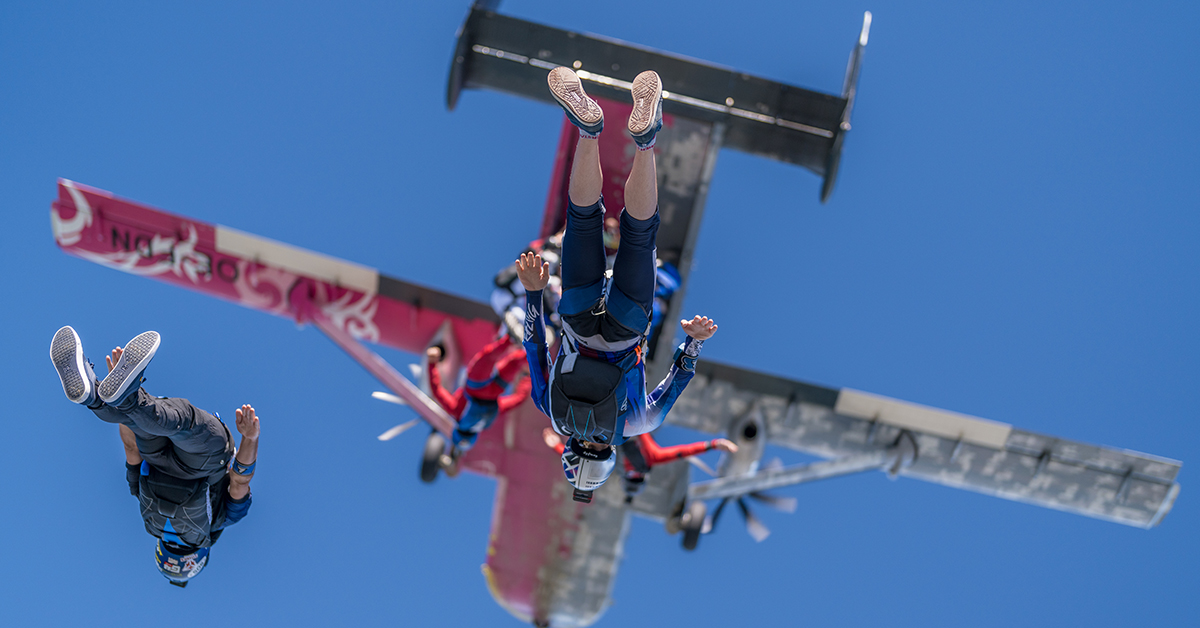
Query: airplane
[[551, 560]]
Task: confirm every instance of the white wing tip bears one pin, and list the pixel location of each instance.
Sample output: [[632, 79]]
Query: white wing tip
[[866, 29]]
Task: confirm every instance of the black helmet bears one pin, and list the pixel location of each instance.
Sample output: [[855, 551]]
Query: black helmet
[[180, 563]]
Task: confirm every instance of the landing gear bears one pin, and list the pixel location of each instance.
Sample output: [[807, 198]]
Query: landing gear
[[431, 458], [691, 523]]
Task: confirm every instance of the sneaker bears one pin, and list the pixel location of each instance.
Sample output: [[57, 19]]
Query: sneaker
[[78, 379], [581, 110], [514, 324], [646, 118], [126, 375]]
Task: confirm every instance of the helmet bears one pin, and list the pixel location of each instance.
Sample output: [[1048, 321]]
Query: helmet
[[180, 563], [586, 469]]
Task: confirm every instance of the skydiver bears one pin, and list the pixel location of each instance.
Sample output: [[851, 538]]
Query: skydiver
[[595, 392], [644, 453], [180, 461], [477, 404], [508, 295]]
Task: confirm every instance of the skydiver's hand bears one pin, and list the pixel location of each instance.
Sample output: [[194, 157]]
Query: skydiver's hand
[[112, 360], [726, 445], [533, 272], [434, 354], [552, 439], [700, 327], [247, 422]]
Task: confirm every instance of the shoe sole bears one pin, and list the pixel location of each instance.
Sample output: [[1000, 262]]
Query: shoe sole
[[66, 351], [137, 354], [647, 92], [566, 88]]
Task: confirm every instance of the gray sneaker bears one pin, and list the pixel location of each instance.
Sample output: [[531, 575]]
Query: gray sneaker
[[645, 120], [74, 370], [126, 376], [581, 110]]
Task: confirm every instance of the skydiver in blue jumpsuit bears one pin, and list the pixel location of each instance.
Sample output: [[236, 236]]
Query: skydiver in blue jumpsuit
[[595, 391]]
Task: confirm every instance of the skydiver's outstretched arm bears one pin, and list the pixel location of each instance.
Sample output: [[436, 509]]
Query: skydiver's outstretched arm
[[656, 454], [133, 458], [534, 275], [452, 403], [683, 368], [247, 453], [129, 442], [518, 396]]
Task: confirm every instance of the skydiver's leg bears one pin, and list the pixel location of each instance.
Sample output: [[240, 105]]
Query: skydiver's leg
[[631, 298], [200, 441], [583, 244], [641, 188], [631, 301], [583, 263], [587, 179]]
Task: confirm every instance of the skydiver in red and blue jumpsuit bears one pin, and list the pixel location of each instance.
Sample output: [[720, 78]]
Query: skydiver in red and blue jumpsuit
[[477, 404]]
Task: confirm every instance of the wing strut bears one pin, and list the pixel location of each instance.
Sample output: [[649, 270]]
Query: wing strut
[[307, 311], [892, 460]]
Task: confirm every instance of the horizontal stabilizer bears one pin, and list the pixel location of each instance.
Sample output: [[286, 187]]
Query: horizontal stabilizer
[[762, 117]]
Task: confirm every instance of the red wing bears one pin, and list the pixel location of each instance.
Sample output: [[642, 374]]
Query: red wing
[[259, 273]]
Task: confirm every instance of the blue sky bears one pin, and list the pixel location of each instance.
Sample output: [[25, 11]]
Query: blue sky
[[1012, 236]]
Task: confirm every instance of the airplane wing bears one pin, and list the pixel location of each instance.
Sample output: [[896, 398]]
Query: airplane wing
[[348, 301], [856, 429]]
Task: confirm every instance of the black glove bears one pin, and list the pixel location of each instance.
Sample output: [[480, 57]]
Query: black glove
[[132, 473]]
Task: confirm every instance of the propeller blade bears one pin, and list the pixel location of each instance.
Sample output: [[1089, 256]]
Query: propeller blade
[[389, 397], [699, 464], [782, 504], [711, 519], [396, 431], [756, 528]]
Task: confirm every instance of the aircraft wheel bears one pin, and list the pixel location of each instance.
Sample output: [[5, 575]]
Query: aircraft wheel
[[691, 523], [434, 446]]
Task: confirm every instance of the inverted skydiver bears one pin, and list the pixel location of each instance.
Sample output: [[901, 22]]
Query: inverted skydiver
[[595, 392], [477, 404], [179, 460]]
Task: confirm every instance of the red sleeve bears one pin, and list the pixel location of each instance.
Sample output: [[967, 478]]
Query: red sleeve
[[453, 404], [519, 394], [655, 454]]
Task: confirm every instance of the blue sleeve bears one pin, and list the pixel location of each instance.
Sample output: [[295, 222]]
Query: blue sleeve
[[683, 369], [536, 351], [235, 510]]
